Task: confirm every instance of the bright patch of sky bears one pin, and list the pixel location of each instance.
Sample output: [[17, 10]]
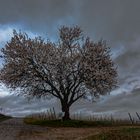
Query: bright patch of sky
[[118, 50], [6, 32], [3, 91]]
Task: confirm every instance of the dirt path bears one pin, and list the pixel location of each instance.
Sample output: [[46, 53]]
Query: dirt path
[[15, 129]]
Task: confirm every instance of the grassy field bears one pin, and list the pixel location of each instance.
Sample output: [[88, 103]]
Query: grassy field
[[44, 126], [100, 130], [122, 134], [93, 128], [69, 123], [50, 119], [75, 123]]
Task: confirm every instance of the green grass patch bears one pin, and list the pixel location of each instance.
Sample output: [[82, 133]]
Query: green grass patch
[[69, 123], [122, 134]]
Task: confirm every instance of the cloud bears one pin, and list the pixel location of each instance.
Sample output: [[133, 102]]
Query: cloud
[[117, 105], [3, 91], [39, 16], [20, 106], [110, 19], [5, 34]]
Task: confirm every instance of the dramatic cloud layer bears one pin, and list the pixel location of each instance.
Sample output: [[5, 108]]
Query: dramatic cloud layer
[[111, 19], [116, 21]]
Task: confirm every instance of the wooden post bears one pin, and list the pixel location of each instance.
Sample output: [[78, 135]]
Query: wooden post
[[138, 115], [48, 114], [54, 113], [132, 121]]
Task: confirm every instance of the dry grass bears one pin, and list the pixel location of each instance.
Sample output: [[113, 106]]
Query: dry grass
[[15, 129], [122, 134], [90, 128], [97, 133], [51, 118]]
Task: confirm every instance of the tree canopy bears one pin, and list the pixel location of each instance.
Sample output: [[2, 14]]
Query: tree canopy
[[72, 68]]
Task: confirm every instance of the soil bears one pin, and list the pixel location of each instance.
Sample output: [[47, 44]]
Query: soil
[[16, 129]]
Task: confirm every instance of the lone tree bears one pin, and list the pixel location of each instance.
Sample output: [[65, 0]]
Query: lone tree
[[70, 69]]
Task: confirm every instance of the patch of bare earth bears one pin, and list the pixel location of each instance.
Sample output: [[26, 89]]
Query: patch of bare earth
[[59, 134], [15, 129]]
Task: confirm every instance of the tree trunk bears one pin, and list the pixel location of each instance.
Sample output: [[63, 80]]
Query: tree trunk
[[65, 109]]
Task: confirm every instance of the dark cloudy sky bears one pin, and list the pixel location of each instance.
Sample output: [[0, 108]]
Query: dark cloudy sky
[[116, 21]]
